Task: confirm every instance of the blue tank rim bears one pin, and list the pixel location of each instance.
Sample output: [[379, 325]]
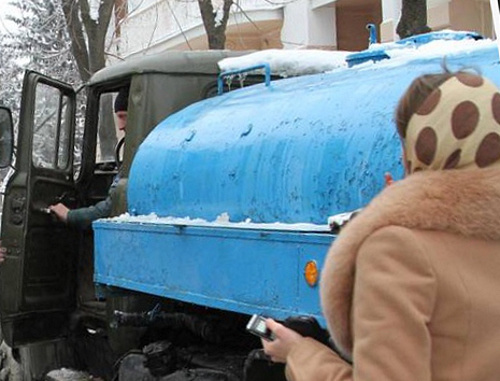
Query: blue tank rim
[[380, 51]]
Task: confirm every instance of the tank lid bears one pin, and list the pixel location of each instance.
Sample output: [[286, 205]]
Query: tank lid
[[378, 52]]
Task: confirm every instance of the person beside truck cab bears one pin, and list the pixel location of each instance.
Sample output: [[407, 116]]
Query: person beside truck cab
[[83, 217]]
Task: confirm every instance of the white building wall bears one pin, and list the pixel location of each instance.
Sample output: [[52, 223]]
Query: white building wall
[[391, 12], [305, 26], [322, 28], [156, 25], [295, 25]]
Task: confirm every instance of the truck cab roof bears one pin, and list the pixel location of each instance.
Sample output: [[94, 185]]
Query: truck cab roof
[[171, 62]]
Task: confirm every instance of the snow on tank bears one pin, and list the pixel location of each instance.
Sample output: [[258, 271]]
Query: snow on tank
[[290, 63]]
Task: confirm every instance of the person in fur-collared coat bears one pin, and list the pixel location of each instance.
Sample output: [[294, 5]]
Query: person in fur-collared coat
[[410, 288]]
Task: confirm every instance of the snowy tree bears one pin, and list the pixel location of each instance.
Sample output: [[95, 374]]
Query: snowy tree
[[63, 35], [11, 73], [64, 39], [10, 67], [41, 41], [87, 23], [215, 15], [413, 18]]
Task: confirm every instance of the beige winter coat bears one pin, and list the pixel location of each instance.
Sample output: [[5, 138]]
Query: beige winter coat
[[411, 288]]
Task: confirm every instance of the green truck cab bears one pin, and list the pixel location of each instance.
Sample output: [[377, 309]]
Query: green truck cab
[[46, 285]]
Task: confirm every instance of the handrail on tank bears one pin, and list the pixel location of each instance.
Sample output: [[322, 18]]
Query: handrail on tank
[[265, 66], [373, 33]]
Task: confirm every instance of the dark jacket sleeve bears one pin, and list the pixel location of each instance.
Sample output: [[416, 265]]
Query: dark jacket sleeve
[[82, 218]]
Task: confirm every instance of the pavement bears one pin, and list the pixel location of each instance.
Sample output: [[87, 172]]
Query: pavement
[[69, 375]]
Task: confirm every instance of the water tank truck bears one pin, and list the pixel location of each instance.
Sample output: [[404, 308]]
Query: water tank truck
[[228, 199], [276, 161]]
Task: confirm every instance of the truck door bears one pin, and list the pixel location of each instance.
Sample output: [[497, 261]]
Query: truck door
[[37, 278]]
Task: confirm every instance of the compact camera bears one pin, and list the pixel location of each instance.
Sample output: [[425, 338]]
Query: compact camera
[[257, 326]]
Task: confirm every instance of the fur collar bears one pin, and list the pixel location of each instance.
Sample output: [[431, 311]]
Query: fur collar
[[464, 202]]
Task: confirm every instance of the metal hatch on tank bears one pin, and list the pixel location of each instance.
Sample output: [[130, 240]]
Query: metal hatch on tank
[[297, 151]]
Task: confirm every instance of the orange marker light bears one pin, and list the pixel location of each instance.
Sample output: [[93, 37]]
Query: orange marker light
[[388, 179], [311, 273]]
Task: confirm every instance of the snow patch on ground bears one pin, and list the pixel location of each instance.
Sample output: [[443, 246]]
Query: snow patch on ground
[[221, 221], [65, 374]]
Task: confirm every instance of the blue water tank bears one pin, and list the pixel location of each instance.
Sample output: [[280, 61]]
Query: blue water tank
[[298, 151]]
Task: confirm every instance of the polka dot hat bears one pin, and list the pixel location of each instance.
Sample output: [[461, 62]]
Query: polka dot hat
[[457, 126]]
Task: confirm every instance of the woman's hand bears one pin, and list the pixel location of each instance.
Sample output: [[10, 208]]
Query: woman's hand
[[284, 340]]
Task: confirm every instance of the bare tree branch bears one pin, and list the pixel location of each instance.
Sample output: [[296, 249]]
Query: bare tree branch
[[88, 36], [216, 29], [78, 44], [121, 11]]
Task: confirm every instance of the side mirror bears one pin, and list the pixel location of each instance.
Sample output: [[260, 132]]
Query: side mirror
[[6, 137]]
